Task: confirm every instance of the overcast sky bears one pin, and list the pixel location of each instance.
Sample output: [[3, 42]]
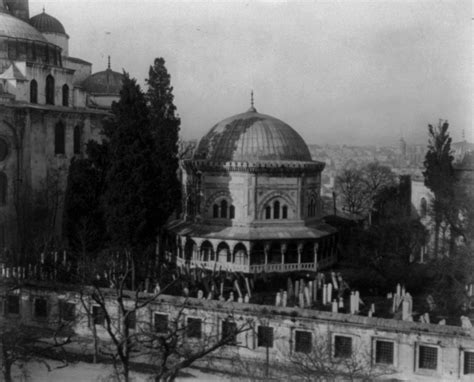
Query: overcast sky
[[347, 72]]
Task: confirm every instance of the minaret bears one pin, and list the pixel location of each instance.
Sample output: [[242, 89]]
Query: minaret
[[19, 8]]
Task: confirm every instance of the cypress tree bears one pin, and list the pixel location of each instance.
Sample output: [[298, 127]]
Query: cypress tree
[[165, 129], [439, 176], [131, 197]]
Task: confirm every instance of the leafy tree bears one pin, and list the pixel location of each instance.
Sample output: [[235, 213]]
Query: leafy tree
[[439, 177]]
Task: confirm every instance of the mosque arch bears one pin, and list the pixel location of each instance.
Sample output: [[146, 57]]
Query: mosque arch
[[241, 256], [276, 205], [207, 251], [65, 94], [223, 253], [59, 138], [190, 249], [49, 90], [33, 91]]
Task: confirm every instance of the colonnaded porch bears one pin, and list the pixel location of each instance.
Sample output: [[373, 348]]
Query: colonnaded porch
[[256, 257]]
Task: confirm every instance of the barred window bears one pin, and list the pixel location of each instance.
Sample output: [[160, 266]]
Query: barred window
[[13, 304], [98, 315], [229, 332], [67, 311], [384, 352], [130, 319], [41, 308], [342, 347], [303, 341], [194, 327], [468, 362], [428, 357], [161, 323], [265, 336]]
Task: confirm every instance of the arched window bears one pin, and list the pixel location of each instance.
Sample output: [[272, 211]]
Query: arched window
[[423, 207], [215, 211], [224, 209], [268, 212], [50, 90], [77, 139], [312, 207], [59, 138], [231, 212], [65, 95], [284, 212], [33, 91], [276, 210], [3, 188]]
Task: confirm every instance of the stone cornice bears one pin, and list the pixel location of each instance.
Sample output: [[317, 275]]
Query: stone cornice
[[274, 168]]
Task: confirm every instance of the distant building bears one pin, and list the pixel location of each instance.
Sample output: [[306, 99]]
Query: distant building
[[50, 106], [252, 201]]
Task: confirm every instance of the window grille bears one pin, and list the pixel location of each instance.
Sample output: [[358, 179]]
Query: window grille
[[161, 323], [229, 332], [342, 347], [194, 327], [468, 362], [265, 336], [384, 352], [303, 341], [428, 358]]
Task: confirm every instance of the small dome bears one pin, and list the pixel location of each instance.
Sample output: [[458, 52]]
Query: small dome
[[252, 137], [47, 24], [12, 27], [106, 82]]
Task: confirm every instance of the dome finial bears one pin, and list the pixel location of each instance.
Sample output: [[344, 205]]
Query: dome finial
[[108, 64], [252, 107], [44, 11]]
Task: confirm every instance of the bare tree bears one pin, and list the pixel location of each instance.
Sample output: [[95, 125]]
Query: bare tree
[[132, 338]]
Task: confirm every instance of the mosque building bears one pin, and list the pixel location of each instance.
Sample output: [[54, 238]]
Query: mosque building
[[251, 201], [50, 106]]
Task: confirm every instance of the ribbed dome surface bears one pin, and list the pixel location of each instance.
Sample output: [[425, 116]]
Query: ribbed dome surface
[[12, 27], [105, 82], [252, 137], [47, 24]]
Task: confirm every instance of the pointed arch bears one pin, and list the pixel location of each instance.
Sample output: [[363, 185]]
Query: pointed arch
[[223, 208], [33, 91], [65, 94], [49, 90], [59, 138]]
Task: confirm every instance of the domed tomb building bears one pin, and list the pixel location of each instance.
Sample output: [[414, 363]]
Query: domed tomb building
[[251, 201]]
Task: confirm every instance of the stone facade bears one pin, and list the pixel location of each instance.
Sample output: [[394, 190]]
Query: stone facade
[[390, 349]]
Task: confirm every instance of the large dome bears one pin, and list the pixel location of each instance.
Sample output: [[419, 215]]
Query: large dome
[[252, 137], [12, 27], [47, 24]]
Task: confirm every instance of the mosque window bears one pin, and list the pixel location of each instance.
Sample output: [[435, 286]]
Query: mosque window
[[284, 212], [3, 188], [276, 210], [33, 91], [77, 139], [215, 211], [312, 207], [65, 95], [423, 207], [231, 212], [268, 212], [50, 90], [224, 209], [59, 138]]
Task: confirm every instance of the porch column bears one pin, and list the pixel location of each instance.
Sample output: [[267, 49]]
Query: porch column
[[266, 249], [316, 247], [283, 249], [300, 251]]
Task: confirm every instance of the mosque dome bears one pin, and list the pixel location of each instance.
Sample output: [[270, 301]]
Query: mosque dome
[[14, 28], [106, 82], [47, 24], [252, 137]]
